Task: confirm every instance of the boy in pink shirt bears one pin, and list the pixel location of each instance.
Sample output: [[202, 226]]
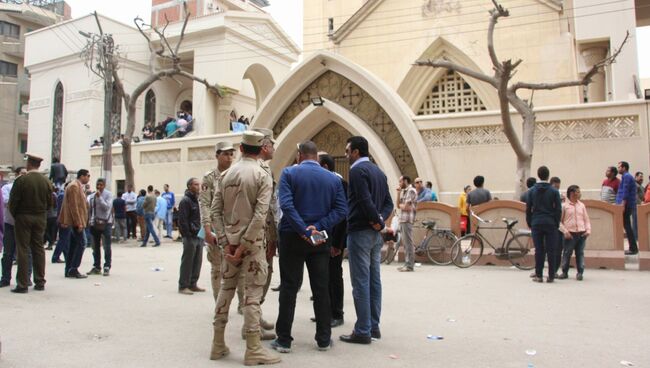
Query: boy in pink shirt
[[576, 227]]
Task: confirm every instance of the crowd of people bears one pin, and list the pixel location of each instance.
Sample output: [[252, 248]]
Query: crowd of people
[[244, 216]]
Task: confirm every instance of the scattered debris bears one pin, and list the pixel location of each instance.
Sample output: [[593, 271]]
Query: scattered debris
[[626, 363], [531, 352], [434, 337], [451, 320], [418, 264], [393, 356], [98, 284], [157, 269], [148, 296]]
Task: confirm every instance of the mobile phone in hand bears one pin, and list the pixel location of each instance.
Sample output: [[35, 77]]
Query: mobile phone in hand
[[315, 238]]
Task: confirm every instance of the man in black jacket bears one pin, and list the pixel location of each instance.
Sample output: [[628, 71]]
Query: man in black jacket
[[339, 234], [58, 173], [369, 204], [189, 221], [543, 215]]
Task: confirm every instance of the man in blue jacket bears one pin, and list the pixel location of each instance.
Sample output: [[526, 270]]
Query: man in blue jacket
[[312, 200], [626, 196], [369, 204], [543, 215]]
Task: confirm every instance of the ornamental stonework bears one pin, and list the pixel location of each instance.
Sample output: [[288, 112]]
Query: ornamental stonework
[[336, 88], [160, 157], [200, 153], [546, 131]]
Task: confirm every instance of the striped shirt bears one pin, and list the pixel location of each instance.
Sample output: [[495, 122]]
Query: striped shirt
[[409, 198]]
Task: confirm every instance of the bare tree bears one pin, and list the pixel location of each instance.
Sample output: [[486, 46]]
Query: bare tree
[[98, 56], [169, 57], [503, 73]]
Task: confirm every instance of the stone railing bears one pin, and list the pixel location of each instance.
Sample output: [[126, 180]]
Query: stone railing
[[168, 161]]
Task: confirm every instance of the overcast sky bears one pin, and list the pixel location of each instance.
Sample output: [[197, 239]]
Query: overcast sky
[[288, 13]]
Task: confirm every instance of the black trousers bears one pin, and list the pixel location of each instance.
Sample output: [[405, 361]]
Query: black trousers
[[336, 286], [131, 223], [294, 254], [629, 230], [51, 231]]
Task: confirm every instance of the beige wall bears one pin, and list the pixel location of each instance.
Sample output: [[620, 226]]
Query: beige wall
[[576, 142], [397, 33]]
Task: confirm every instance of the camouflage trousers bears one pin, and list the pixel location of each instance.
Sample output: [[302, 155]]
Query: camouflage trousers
[[254, 269], [215, 257]]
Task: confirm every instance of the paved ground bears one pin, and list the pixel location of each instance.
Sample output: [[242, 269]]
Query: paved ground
[[488, 316]]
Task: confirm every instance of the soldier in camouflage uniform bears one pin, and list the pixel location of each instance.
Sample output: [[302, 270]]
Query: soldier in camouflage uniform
[[225, 153], [241, 205], [271, 228]]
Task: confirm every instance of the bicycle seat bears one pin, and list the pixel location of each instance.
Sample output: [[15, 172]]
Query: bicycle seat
[[429, 224], [510, 222]]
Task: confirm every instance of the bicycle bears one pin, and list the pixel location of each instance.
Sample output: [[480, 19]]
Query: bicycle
[[467, 250], [436, 244]]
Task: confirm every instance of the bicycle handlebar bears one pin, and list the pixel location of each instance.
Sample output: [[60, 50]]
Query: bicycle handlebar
[[480, 219]]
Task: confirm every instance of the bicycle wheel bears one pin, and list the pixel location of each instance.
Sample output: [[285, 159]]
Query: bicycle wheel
[[521, 251], [466, 251], [439, 247], [391, 251]]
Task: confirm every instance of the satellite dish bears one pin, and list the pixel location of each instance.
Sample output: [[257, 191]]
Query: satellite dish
[[24, 109]]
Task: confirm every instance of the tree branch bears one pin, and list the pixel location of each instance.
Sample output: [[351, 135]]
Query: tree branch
[[586, 79], [460, 69], [214, 88], [180, 38], [496, 13]]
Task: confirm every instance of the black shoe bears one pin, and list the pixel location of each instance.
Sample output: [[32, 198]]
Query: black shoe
[[58, 261], [549, 279], [4, 284], [562, 276], [375, 334], [313, 319], [143, 245], [77, 276], [19, 290], [630, 252], [277, 288], [107, 271], [94, 271], [326, 347], [156, 245], [49, 247], [336, 322], [356, 339], [39, 287]]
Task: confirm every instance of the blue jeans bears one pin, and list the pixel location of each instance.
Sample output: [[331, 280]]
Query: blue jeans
[[545, 239], [169, 222], [577, 243], [364, 254], [75, 252], [63, 244], [148, 219], [102, 239], [8, 252]]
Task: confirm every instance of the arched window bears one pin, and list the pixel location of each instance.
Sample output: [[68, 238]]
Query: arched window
[[57, 121], [451, 94], [150, 107], [116, 115]]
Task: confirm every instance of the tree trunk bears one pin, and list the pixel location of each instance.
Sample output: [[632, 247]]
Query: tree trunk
[[107, 149], [523, 173], [129, 173]]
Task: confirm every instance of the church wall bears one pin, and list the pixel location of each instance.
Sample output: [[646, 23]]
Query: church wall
[[577, 143], [388, 46]]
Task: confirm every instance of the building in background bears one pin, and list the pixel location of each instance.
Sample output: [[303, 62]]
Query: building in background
[[233, 43], [16, 19]]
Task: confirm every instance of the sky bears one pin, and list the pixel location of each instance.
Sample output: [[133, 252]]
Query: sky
[[288, 13]]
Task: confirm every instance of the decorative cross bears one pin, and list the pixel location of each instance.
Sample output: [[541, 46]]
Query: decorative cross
[[382, 123], [403, 155], [350, 95]]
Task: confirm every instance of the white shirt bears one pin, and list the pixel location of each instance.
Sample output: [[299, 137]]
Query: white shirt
[[6, 190], [130, 198]]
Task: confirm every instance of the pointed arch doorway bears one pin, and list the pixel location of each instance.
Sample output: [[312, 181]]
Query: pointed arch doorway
[[357, 102]]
